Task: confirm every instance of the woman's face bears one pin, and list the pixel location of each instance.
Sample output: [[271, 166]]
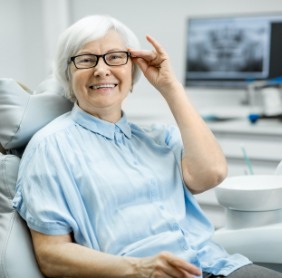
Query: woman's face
[[101, 90]]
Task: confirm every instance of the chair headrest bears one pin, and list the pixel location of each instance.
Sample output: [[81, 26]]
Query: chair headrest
[[22, 113]]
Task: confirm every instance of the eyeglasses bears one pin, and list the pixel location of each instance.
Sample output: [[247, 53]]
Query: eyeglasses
[[87, 61]]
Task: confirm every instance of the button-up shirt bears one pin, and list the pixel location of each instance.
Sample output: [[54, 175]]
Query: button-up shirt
[[118, 188]]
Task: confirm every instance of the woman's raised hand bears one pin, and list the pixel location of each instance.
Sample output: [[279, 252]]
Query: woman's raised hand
[[155, 65]]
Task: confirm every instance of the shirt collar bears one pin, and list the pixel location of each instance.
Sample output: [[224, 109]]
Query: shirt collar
[[99, 126]]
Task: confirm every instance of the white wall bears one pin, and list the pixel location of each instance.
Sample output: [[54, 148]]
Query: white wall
[[21, 40], [29, 30]]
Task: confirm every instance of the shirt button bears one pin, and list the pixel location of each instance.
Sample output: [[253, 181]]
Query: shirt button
[[153, 194], [185, 247]]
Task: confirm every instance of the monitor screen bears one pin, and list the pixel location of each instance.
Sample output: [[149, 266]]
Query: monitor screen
[[232, 51]]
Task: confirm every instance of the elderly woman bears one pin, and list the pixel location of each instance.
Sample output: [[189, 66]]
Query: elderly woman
[[106, 198]]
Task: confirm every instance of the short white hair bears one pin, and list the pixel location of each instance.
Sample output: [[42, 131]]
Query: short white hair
[[88, 29]]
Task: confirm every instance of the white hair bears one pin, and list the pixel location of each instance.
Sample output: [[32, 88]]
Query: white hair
[[88, 29]]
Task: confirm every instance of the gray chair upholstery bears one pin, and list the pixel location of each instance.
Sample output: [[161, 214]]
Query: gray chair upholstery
[[16, 253], [22, 113]]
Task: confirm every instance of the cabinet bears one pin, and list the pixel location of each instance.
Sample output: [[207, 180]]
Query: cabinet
[[262, 142]]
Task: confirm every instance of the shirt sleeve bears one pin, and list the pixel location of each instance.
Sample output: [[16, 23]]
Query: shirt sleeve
[[168, 135], [42, 194]]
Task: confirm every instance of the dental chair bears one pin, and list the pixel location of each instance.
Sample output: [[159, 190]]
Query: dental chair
[[22, 113], [253, 225], [253, 212]]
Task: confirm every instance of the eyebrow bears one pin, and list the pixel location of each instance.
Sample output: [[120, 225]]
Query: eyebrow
[[90, 52]]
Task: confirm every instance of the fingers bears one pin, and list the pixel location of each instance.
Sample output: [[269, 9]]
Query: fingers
[[177, 267], [154, 57], [166, 265], [155, 65], [147, 55], [172, 271], [187, 267], [155, 44], [151, 58], [142, 64]]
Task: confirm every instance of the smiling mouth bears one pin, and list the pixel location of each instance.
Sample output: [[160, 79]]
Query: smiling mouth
[[102, 86]]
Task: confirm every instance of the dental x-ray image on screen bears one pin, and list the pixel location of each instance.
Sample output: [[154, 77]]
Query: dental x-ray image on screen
[[231, 51]]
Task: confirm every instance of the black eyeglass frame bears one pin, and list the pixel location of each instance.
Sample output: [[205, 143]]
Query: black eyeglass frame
[[72, 59]]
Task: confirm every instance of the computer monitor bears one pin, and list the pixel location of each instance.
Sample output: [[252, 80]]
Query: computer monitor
[[234, 50]]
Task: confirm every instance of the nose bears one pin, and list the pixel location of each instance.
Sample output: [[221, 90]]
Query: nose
[[102, 69]]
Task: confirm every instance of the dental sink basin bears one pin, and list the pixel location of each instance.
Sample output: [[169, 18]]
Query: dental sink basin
[[253, 215], [251, 193]]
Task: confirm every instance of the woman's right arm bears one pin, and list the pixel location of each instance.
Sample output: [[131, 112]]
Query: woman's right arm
[[59, 256]]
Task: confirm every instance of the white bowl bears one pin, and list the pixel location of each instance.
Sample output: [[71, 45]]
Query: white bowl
[[251, 193]]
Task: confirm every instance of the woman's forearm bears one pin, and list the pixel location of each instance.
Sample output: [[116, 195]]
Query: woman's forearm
[[57, 256], [72, 260]]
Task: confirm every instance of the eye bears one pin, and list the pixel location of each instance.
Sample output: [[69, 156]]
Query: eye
[[115, 56], [85, 59]]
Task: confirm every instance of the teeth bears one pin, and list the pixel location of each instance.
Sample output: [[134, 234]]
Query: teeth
[[102, 86]]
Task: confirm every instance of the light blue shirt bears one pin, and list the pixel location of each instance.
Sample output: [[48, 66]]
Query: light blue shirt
[[118, 188]]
